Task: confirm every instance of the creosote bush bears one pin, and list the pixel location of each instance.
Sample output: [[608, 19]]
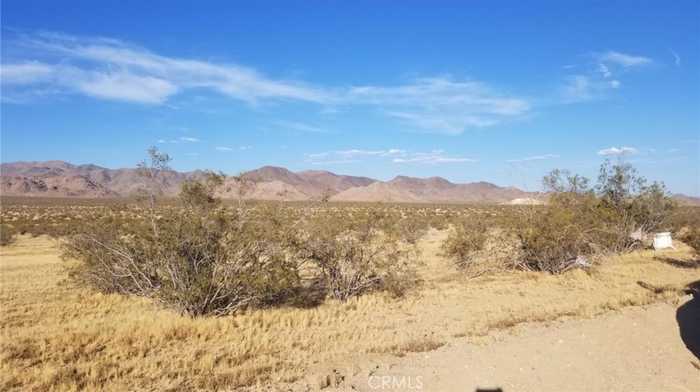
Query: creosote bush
[[692, 238], [198, 262], [357, 255], [583, 221], [465, 240], [203, 258], [199, 259], [578, 221], [686, 226]]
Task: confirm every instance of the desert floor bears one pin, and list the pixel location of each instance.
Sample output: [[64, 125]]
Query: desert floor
[[594, 330], [635, 349]]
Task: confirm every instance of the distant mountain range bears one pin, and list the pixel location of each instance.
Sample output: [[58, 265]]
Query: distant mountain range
[[62, 179]]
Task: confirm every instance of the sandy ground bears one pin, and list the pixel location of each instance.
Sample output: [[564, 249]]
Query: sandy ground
[[443, 336], [636, 349]]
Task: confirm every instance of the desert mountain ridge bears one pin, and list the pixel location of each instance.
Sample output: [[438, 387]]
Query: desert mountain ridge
[[63, 179]]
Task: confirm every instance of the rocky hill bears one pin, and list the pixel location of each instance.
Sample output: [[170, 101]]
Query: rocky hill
[[430, 190], [63, 179]]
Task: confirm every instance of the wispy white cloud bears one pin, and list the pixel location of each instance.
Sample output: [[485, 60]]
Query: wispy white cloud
[[355, 153], [600, 77], [301, 127], [115, 85], [112, 69], [124, 86], [432, 158], [582, 88], [676, 57], [578, 88], [115, 70], [23, 73], [618, 151], [181, 139], [229, 149], [442, 104], [534, 158], [623, 59], [333, 162], [394, 155]]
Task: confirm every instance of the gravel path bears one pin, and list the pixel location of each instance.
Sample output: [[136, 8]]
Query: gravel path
[[636, 349]]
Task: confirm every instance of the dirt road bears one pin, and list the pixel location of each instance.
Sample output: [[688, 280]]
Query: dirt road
[[636, 349]]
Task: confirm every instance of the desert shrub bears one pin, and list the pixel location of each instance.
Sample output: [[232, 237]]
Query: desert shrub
[[685, 224], [198, 263], [685, 218], [626, 194], [465, 240], [7, 235], [551, 240], [411, 228], [199, 259], [200, 194], [582, 221], [355, 256], [692, 238]]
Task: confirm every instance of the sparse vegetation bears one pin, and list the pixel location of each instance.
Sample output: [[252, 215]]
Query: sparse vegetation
[[467, 238], [290, 280], [199, 260], [355, 256], [581, 221], [59, 336], [7, 235], [199, 263], [692, 238], [205, 259]]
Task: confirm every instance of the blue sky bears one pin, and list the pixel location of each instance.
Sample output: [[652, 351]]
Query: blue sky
[[494, 91]]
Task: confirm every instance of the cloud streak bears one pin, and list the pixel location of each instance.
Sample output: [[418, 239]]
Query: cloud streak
[[300, 127], [111, 69], [622, 59], [618, 151], [181, 139], [434, 157], [442, 104], [534, 158], [676, 57], [394, 155], [602, 76]]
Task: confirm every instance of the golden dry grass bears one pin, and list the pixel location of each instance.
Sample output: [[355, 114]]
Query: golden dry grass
[[59, 337]]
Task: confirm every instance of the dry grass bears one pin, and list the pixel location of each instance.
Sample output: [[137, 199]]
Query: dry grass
[[59, 337]]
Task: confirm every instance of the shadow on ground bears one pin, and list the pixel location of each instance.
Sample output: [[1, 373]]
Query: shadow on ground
[[688, 318], [678, 263]]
